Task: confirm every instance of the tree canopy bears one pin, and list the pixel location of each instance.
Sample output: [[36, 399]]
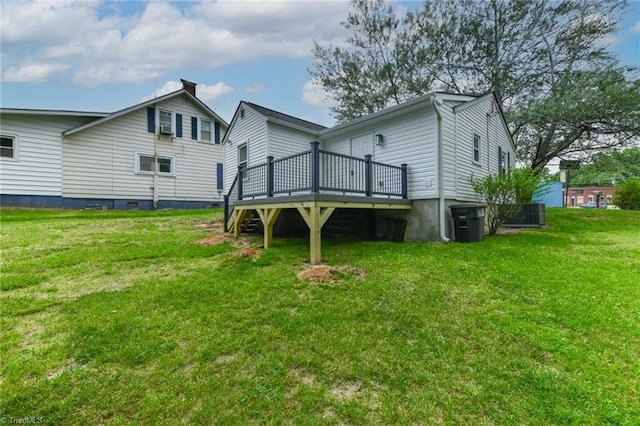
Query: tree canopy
[[562, 91], [607, 169]]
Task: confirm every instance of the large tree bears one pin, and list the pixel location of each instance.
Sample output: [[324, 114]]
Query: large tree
[[547, 62]]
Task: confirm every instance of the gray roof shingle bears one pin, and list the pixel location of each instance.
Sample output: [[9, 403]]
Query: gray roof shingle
[[288, 118]]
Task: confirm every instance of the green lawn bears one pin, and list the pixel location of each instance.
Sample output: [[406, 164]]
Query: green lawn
[[121, 318]]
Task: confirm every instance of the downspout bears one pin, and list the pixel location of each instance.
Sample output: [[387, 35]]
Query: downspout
[[155, 166], [441, 204]]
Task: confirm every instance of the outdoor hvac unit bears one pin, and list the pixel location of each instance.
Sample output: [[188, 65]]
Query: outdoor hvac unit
[[165, 130]]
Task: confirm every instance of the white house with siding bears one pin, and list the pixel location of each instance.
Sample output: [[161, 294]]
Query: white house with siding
[[443, 139], [162, 153]]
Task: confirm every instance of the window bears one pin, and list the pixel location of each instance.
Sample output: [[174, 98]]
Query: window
[[476, 148], [503, 165], [242, 155], [166, 121], [146, 164], [205, 130], [241, 112], [8, 147]]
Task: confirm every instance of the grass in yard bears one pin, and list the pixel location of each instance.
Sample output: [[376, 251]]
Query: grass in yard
[[122, 317]]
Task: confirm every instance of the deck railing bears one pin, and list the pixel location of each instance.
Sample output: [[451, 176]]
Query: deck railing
[[317, 171]]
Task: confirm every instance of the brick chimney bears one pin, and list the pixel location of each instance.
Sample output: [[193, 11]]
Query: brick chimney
[[189, 86]]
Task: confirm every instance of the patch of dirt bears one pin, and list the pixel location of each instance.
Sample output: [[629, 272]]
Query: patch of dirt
[[214, 240], [346, 391], [247, 253], [330, 274], [212, 227], [226, 358]]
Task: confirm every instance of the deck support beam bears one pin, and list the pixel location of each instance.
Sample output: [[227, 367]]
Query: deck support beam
[[268, 218], [237, 227], [315, 217]]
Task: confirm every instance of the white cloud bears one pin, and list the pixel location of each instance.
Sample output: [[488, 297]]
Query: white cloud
[[211, 94], [255, 88], [314, 94], [636, 27], [206, 93], [33, 73], [92, 43]]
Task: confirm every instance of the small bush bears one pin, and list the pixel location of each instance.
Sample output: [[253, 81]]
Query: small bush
[[504, 194], [628, 195]]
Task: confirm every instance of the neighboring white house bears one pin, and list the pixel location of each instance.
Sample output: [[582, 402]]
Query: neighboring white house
[[162, 153], [444, 140]]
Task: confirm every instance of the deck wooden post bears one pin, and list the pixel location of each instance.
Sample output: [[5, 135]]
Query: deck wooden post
[[240, 216], [315, 217], [268, 218]]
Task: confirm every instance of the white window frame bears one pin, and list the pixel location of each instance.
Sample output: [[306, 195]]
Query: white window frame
[[173, 119], [160, 157], [504, 166], [200, 130], [478, 149], [15, 147], [246, 160]]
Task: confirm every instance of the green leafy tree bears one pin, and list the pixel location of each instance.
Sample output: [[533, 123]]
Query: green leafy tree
[[560, 88], [628, 195], [609, 168]]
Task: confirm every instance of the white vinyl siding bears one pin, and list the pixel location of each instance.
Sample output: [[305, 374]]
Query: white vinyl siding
[[37, 167], [98, 161], [476, 118], [284, 141], [250, 130], [408, 138]]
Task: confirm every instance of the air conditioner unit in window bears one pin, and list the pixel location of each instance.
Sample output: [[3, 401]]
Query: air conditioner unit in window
[[165, 130]]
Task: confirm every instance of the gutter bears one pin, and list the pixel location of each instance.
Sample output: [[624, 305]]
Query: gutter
[[441, 203]]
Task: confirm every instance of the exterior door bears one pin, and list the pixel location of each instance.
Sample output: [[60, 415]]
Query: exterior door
[[360, 146]]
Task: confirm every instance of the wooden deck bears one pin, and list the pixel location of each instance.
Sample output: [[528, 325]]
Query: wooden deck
[[315, 183], [314, 208]]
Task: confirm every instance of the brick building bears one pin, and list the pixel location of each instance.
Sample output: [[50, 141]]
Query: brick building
[[578, 196]]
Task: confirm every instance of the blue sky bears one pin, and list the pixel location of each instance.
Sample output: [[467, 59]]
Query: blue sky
[[104, 56]]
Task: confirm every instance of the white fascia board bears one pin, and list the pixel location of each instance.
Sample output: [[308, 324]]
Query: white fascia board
[[291, 126], [51, 112]]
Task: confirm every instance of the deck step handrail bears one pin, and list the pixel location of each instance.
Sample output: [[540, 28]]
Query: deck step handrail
[[229, 199]]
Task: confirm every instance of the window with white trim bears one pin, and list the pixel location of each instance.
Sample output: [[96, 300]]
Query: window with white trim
[[504, 165], [146, 164], [205, 130], [8, 148], [476, 148], [242, 155], [165, 121]]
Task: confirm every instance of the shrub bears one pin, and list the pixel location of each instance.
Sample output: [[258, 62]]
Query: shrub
[[628, 195], [504, 194]]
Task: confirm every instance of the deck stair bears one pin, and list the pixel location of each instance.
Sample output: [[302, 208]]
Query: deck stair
[[251, 223]]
